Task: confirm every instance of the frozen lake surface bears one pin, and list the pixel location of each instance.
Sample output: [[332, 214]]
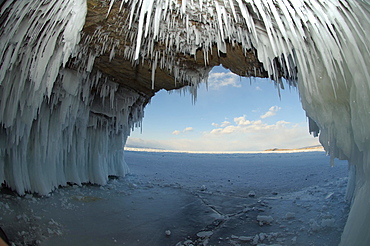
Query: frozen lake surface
[[191, 199]]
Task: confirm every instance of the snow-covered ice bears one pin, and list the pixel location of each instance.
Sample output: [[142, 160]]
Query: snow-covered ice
[[299, 198]]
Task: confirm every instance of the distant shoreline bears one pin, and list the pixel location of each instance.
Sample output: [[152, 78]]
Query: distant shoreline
[[275, 150], [311, 148]]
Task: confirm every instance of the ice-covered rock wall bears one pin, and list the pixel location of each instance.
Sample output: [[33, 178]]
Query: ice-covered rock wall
[[58, 125], [60, 117]]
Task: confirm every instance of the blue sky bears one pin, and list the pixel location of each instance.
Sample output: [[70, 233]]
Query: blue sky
[[233, 114]]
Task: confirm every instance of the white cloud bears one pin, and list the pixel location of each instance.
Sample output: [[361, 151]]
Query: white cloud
[[247, 134], [242, 121], [243, 125], [258, 88], [187, 129], [225, 123], [218, 80], [258, 135], [271, 112]]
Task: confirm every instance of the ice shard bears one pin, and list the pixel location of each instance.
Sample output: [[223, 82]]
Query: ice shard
[[65, 116]]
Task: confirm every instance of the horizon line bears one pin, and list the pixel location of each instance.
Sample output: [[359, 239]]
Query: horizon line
[[274, 150]]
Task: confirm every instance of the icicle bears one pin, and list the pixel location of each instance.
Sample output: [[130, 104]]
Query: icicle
[[90, 62], [154, 67], [219, 18], [183, 6], [111, 55], [233, 10], [110, 7]]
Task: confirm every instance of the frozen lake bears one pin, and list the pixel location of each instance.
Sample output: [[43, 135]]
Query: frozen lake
[[185, 198]]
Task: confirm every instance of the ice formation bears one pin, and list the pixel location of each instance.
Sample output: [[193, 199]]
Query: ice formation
[[55, 130]]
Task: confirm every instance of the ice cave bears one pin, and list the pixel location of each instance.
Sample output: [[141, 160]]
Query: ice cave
[[76, 76]]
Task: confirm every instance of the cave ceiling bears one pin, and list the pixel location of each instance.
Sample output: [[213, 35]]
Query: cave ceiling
[[138, 75]]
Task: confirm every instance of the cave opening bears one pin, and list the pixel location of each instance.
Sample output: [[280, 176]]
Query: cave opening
[[230, 113]]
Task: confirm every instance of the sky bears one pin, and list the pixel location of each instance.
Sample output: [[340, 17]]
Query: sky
[[232, 113]]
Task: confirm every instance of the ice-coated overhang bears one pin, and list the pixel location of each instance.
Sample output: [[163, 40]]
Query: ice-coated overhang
[[174, 58], [76, 75]]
